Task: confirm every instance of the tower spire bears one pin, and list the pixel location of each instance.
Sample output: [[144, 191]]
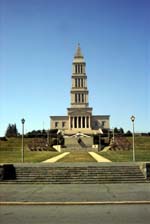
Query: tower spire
[[79, 91], [78, 53]]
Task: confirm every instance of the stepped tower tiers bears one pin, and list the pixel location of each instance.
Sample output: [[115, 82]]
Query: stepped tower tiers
[[80, 118], [79, 113]]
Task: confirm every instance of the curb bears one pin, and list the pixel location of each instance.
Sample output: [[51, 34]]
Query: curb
[[76, 203]]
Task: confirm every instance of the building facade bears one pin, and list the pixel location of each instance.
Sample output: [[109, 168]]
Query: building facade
[[79, 118]]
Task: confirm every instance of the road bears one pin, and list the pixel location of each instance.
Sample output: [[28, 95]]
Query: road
[[75, 192], [75, 214]]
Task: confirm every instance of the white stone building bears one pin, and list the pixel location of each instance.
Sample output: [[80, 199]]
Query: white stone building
[[79, 118]]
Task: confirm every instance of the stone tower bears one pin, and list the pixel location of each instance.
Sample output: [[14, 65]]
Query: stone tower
[[79, 112], [79, 117]]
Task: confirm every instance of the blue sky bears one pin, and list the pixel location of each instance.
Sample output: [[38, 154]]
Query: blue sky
[[38, 39]]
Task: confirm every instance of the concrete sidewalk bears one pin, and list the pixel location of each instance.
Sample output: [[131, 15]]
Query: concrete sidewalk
[[56, 158], [74, 192], [99, 158]]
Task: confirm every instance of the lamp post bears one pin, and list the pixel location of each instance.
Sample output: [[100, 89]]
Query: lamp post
[[133, 143], [22, 121]]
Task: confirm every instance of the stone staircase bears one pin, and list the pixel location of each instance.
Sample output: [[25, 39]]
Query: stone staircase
[[80, 173], [85, 144]]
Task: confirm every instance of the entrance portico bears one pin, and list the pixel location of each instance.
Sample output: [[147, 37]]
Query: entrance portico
[[80, 122]]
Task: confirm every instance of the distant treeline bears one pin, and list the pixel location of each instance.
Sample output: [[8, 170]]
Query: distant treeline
[[36, 134], [12, 131]]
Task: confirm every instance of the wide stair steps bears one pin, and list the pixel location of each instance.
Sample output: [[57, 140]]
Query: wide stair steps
[[78, 174]]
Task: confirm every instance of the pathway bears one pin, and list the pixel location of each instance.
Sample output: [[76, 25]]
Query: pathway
[[56, 158], [77, 157], [99, 158]]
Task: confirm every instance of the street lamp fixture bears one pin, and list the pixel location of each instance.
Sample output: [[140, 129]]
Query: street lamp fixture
[[133, 142], [22, 121]]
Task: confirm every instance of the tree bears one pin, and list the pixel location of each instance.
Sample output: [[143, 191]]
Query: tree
[[37, 134], [116, 131], [121, 131], [11, 131], [128, 133]]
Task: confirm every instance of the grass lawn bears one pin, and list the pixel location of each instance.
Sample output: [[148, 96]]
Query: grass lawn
[[142, 151], [78, 157], [10, 152]]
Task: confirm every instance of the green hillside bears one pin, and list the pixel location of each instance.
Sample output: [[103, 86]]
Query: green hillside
[[10, 152], [142, 151]]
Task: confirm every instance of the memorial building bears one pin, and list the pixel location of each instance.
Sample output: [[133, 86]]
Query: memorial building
[[79, 117]]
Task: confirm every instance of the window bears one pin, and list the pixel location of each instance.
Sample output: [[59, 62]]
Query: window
[[75, 68], [79, 97], [78, 82], [103, 123], [82, 98], [75, 97], [56, 124], [81, 68], [63, 124], [81, 82]]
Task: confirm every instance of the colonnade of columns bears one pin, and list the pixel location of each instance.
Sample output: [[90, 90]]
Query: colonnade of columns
[[80, 122]]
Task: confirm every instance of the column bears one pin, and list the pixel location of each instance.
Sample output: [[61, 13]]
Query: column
[[87, 118], [69, 123], [77, 122], [89, 121], [83, 68], [78, 69], [82, 82]]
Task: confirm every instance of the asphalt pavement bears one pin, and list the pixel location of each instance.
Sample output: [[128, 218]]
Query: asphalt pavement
[[74, 192], [125, 213], [103, 214]]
